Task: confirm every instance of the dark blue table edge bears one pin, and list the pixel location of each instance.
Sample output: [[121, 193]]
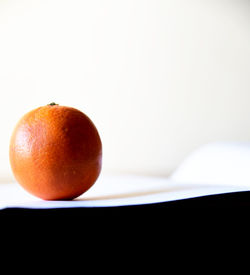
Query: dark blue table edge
[[224, 216]]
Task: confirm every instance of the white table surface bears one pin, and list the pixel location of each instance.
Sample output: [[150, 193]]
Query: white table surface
[[116, 191]]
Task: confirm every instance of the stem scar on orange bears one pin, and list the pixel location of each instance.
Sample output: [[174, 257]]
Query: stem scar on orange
[[55, 152]]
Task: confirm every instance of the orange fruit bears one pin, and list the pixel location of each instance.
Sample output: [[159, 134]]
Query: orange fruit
[[55, 152]]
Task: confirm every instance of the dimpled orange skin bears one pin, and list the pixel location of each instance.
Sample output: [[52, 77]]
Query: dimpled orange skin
[[55, 152]]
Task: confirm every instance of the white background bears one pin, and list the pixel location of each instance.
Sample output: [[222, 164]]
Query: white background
[[158, 78]]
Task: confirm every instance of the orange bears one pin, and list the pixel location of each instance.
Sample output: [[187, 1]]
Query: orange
[[55, 152]]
